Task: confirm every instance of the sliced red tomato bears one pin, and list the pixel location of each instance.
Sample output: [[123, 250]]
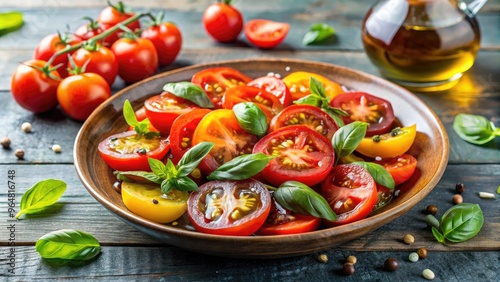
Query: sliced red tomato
[[275, 86], [281, 221], [215, 81], [298, 83], [302, 155], [384, 196], [266, 101], [222, 128], [311, 116], [234, 208], [266, 34], [127, 151], [401, 167], [351, 193], [163, 109], [365, 107]]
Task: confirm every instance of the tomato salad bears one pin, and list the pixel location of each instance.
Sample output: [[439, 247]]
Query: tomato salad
[[265, 156]]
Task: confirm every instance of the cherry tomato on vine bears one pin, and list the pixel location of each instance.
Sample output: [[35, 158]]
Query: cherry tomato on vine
[[114, 14], [266, 101], [96, 59], [388, 145], [51, 44], [32, 88], [401, 167], [351, 193], [365, 107], [223, 22], [167, 39], [137, 58], [235, 208], [266, 34], [91, 29], [302, 155], [298, 82], [275, 86], [79, 95]]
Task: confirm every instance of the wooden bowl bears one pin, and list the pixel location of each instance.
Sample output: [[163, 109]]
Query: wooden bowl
[[431, 148]]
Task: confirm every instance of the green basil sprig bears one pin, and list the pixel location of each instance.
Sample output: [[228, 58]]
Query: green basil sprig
[[475, 129], [10, 21], [379, 174], [140, 127], [41, 195], [347, 138], [68, 244], [241, 167], [300, 198], [460, 223], [190, 92], [318, 33], [251, 118]]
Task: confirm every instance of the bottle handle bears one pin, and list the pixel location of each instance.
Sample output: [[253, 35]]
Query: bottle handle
[[476, 5]]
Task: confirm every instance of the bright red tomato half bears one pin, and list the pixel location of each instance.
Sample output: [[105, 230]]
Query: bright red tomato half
[[275, 86], [351, 192], [401, 168], [302, 155], [266, 34], [127, 152], [266, 101], [365, 107], [234, 208]]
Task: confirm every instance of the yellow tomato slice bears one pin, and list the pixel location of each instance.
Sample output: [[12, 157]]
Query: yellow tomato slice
[[389, 145], [298, 83], [151, 203]]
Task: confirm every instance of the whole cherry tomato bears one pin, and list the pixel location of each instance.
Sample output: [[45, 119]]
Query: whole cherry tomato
[[79, 95], [166, 38], [32, 88], [51, 44], [137, 58], [91, 29], [223, 22], [97, 59], [266, 34], [114, 14]]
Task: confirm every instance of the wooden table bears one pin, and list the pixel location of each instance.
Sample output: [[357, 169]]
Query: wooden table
[[128, 254]]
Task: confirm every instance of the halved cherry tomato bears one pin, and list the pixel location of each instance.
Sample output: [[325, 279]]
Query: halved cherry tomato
[[311, 116], [281, 221], [298, 82], [266, 101], [266, 34], [365, 107], [234, 208], [351, 193], [401, 167], [181, 133], [151, 203], [215, 81], [163, 109], [302, 155], [126, 151], [389, 145], [275, 86], [222, 128]]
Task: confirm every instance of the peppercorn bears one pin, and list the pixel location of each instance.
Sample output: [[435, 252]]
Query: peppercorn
[[5, 142], [413, 257], [322, 258], [348, 269], [460, 188], [409, 239], [457, 199], [391, 264], [19, 153], [352, 259], [431, 209], [422, 253], [428, 274], [26, 127]]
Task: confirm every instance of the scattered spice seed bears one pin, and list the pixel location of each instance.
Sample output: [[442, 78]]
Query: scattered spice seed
[[413, 257], [5, 142], [486, 195], [457, 199], [19, 153], [26, 127], [460, 188], [352, 259], [431, 209], [56, 148], [432, 221], [391, 264], [155, 201], [322, 258], [428, 274], [409, 239], [348, 269], [422, 253]]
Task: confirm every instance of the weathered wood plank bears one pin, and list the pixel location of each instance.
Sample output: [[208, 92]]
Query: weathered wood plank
[[78, 210]]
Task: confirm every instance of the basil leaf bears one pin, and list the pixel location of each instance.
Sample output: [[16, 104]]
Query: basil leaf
[[68, 244], [170, 169], [336, 114], [251, 118], [347, 138], [316, 87], [311, 99], [193, 157], [379, 174], [475, 129], [142, 127], [300, 198], [131, 176], [167, 185], [462, 222], [439, 237], [189, 91], [10, 21], [40, 196], [184, 184], [157, 167], [318, 33], [241, 167]]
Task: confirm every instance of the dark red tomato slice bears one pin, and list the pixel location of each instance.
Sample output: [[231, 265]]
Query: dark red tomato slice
[[281, 221], [401, 167], [310, 116], [222, 128], [215, 81], [266, 34], [126, 151], [384, 196], [275, 86], [181, 133], [365, 107], [266, 101], [302, 155], [163, 109], [234, 208], [351, 192]]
